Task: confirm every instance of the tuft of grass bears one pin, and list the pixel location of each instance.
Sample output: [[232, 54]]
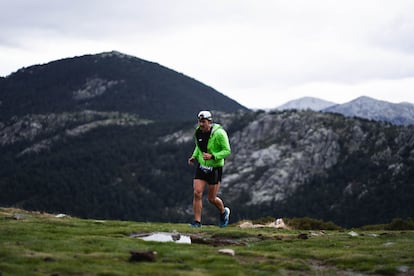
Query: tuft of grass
[[395, 224], [307, 223], [40, 244]]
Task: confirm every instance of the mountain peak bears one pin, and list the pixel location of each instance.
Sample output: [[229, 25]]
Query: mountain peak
[[109, 81], [303, 103], [114, 53], [366, 99], [378, 110]]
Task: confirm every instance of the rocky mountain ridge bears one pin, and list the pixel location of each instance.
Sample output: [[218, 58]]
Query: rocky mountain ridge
[[43, 130], [369, 108], [362, 107], [273, 155]]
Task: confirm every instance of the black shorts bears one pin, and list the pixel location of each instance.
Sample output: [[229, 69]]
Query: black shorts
[[212, 177]]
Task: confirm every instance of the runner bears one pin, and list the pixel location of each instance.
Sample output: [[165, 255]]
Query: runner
[[211, 147]]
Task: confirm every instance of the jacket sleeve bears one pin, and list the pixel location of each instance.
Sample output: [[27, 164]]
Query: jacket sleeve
[[223, 145], [196, 152]]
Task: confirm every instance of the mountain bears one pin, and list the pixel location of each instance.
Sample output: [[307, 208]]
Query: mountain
[[348, 170], [362, 107], [369, 108], [88, 136], [108, 82], [306, 103]]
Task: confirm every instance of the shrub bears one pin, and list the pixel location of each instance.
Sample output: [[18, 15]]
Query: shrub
[[264, 220], [307, 223], [395, 224], [400, 224]]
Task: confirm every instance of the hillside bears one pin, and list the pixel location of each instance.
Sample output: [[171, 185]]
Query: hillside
[[108, 82], [349, 171]]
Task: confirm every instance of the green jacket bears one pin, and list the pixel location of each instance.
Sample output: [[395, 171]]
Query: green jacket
[[218, 145]]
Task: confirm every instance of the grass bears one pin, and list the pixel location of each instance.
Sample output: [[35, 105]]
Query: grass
[[32, 243]]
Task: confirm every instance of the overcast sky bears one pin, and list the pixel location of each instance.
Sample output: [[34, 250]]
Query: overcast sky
[[260, 53]]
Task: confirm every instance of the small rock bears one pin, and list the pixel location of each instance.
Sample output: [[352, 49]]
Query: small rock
[[142, 256], [403, 268], [175, 236], [18, 216], [227, 251], [48, 259], [387, 244], [280, 224], [353, 234], [303, 236], [60, 215], [316, 234], [246, 224]]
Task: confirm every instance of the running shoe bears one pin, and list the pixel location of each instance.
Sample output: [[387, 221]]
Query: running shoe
[[195, 224], [224, 218]]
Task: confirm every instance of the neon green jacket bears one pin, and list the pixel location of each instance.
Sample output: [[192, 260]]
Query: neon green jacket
[[218, 145]]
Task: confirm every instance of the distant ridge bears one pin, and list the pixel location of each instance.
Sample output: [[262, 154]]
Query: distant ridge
[[304, 103], [362, 107], [377, 110]]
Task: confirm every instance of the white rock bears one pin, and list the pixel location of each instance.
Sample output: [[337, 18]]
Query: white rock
[[280, 224], [353, 234], [60, 216], [403, 268], [227, 251], [246, 224]]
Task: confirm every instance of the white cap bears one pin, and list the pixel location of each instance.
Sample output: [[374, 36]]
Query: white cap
[[204, 115]]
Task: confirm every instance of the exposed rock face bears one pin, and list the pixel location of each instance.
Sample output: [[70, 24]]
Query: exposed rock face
[[93, 88], [42, 130], [275, 154]]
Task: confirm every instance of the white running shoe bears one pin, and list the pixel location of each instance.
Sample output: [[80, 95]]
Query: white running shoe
[[224, 218]]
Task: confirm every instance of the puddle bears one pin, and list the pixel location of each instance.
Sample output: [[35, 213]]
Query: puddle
[[164, 237]]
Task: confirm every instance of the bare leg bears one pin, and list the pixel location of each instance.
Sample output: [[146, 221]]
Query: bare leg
[[213, 199], [199, 186]]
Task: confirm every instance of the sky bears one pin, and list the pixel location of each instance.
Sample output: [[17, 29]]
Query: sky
[[260, 53]]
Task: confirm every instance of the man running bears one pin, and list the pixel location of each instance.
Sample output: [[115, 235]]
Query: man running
[[211, 147]]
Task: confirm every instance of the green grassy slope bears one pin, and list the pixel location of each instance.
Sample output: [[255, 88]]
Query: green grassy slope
[[33, 243]]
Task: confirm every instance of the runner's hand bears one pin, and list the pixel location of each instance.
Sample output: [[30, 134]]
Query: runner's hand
[[191, 161], [207, 156]]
